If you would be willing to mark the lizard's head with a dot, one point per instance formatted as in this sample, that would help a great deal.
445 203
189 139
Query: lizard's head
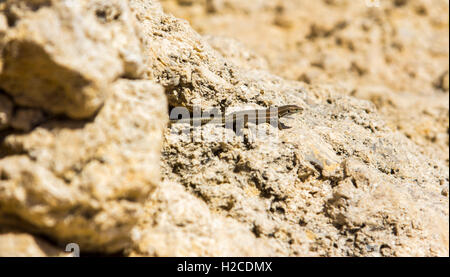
288 110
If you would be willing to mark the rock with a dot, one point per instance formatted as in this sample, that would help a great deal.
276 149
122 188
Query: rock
114 179
236 52
334 177
62 57
25 119
342 176
86 181
442 82
176 223
444 191
359 50
82 173
15 244
423 119
6 108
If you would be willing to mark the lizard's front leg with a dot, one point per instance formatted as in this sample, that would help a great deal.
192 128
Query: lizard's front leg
281 126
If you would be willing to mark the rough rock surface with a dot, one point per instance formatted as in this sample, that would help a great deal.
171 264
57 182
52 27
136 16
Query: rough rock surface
62 59
6 108
14 244
395 55
89 169
345 186
86 181
177 223
74 180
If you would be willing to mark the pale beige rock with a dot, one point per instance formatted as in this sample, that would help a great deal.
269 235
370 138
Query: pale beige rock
6 108
422 118
85 182
442 82
332 181
81 181
237 53
62 56
176 223
342 177
340 182
15 244
399 49
444 191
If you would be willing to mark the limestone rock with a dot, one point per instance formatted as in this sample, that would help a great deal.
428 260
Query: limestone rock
176 223
80 148
62 56
339 182
351 181
6 108
15 244
395 55
333 181
237 53
86 181
25 119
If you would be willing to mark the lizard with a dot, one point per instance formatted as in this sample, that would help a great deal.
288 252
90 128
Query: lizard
237 120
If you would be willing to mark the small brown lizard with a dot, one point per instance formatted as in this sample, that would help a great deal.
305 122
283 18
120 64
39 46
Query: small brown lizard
237 120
